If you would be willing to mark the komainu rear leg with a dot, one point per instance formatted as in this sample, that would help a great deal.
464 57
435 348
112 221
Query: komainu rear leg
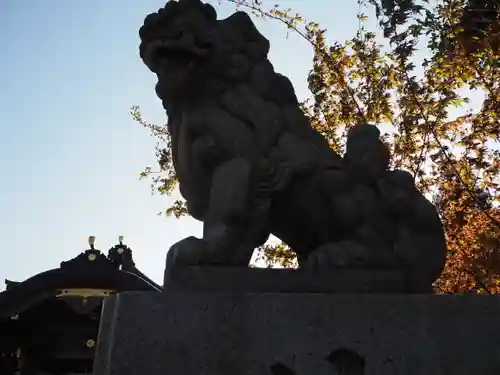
343 254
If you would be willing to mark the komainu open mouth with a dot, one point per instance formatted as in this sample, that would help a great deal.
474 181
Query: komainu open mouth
182 52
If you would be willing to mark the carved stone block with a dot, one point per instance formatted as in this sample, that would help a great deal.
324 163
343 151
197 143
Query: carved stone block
188 333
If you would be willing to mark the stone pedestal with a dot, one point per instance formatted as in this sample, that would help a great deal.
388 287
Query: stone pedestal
265 280
258 333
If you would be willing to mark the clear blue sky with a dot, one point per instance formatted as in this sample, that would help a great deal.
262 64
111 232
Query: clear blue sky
70 154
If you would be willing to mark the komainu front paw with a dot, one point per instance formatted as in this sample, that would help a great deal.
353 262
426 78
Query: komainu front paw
190 251
342 254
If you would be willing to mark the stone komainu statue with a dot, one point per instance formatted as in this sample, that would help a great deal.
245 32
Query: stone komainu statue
249 163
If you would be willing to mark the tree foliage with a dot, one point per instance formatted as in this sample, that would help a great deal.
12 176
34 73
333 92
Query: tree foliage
381 76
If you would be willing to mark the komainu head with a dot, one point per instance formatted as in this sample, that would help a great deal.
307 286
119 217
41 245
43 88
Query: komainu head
192 52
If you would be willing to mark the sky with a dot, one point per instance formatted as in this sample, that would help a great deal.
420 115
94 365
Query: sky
70 154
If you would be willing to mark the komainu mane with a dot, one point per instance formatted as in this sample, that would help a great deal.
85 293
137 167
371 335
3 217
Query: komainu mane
249 163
